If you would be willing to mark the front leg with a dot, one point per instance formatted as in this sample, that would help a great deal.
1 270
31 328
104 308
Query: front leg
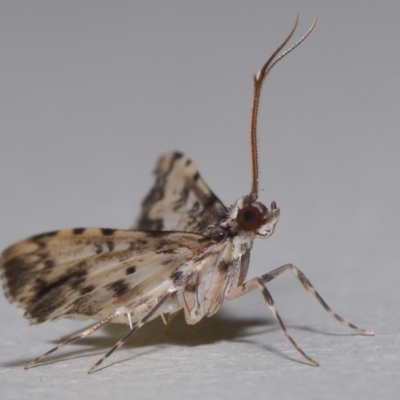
259 283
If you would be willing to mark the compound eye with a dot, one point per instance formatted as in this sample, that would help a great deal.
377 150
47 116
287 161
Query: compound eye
249 218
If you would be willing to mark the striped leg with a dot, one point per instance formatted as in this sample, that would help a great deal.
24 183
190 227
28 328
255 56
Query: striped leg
135 327
82 335
259 283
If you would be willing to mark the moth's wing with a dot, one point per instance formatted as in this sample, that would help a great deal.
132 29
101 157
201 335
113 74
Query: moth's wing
180 199
88 273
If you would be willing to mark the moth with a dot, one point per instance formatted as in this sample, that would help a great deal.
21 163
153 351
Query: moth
187 252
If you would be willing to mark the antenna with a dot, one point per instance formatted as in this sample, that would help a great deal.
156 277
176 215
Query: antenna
258 82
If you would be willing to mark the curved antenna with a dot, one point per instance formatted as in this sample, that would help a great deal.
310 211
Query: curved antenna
258 82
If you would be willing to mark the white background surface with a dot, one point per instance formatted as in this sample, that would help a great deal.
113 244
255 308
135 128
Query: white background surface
91 94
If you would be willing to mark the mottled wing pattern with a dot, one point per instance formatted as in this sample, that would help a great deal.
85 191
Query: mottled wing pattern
88 273
180 199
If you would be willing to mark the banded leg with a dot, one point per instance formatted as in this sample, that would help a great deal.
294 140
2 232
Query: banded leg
82 335
307 285
138 325
259 283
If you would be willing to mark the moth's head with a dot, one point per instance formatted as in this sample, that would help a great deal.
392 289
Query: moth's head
254 217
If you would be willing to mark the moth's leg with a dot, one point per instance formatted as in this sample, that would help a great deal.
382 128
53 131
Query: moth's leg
310 288
171 318
257 283
163 319
135 327
82 335
125 310
130 320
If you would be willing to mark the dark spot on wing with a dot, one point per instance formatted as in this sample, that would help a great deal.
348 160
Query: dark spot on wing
161 243
50 296
130 270
17 273
119 287
98 248
170 261
223 266
157 193
196 206
107 231
83 306
177 155
44 235
40 239
137 245
48 264
157 224
211 200
110 245
165 251
175 276
40 284
41 309
78 231
86 289
77 275
45 295
196 176
216 233
74 277
147 223
155 234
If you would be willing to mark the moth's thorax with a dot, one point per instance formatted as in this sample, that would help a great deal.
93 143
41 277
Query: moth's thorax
250 218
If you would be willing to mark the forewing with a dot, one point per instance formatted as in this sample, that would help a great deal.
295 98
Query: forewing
180 199
85 273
